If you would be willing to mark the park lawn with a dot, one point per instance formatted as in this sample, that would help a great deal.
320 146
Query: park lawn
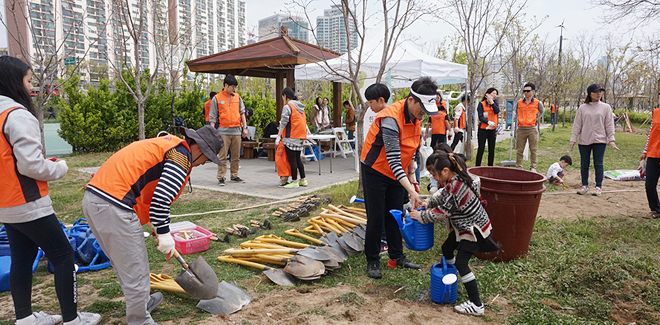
589 271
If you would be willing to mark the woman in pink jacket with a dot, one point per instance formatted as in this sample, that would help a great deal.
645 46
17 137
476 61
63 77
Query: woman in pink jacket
594 127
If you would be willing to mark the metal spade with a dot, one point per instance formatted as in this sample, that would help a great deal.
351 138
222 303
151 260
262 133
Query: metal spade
226 301
278 276
197 278
299 266
339 253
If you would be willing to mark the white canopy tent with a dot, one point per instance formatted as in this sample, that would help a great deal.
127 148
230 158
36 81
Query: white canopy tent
406 65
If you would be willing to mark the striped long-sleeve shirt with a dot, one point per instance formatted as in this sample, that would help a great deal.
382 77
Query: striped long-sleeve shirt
390 129
460 206
177 167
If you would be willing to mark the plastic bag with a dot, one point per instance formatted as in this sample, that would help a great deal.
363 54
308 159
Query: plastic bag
623 175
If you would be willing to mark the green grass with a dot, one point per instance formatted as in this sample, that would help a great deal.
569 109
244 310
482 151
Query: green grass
577 272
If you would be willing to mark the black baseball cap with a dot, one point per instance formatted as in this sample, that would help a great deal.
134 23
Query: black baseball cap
594 88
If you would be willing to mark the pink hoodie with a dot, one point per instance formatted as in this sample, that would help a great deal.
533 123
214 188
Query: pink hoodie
593 124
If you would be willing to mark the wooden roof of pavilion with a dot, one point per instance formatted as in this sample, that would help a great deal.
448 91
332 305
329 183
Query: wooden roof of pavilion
263 59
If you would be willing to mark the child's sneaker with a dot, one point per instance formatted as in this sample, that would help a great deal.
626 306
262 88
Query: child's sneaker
291 185
303 182
597 191
583 190
470 308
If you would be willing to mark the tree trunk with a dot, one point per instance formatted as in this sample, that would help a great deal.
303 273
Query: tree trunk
141 118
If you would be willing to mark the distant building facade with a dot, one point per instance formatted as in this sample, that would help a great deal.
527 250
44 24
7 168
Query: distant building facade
331 31
270 27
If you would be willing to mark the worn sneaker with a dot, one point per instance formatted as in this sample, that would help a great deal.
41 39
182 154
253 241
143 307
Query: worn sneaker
291 185
403 261
154 301
383 247
237 180
373 270
303 182
597 191
583 190
470 308
285 184
221 182
651 215
41 318
88 318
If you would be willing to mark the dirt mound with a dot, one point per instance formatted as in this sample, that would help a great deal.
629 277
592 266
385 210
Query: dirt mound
339 305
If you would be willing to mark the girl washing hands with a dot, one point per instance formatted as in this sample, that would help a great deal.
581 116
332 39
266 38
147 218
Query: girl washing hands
459 205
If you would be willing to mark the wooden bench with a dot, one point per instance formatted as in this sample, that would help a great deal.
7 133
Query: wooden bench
270 148
248 149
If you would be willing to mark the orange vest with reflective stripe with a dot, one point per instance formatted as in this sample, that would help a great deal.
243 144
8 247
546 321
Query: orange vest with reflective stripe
460 122
16 189
297 126
438 125
653 149
228 110
132 173
491 115
373 152
527 113
207 109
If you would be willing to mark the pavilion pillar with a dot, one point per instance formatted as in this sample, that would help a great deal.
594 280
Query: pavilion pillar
291 79
279 85
336 104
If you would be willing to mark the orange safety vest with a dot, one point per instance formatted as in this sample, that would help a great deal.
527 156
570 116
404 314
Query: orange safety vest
552 108
653 149
527 113
297 126
460 122
373 152
207 109
491 115
16 189
132 173
229 115
438 123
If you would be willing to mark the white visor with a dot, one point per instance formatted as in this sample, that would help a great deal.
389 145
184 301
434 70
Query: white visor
427 102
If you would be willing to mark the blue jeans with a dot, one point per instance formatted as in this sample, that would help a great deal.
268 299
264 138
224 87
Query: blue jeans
350 133
585 159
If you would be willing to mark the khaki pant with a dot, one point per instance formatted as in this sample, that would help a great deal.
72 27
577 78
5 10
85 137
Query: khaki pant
232 143
524 135
120 235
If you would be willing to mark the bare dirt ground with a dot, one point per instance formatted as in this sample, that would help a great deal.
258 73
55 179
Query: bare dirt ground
619 198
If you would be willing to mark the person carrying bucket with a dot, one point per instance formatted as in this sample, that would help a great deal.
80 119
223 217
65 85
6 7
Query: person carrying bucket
26 209
387 171
292 133
459 205
136 186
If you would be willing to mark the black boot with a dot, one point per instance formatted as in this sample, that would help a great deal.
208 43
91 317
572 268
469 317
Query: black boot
405 262
373 270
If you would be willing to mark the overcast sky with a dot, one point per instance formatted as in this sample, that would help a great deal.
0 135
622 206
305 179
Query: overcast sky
579 16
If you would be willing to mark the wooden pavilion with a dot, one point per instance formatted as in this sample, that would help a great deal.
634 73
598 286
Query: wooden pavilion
274 58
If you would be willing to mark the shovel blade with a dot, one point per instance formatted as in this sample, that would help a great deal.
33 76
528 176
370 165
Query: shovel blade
243 297
280 277
303 267
225 301
314 254
198 280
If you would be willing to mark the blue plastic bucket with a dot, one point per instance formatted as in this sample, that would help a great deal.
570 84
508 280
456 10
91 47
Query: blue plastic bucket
441 292
5 266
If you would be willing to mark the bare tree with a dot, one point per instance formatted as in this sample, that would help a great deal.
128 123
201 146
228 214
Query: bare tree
482 24
33 37
641 11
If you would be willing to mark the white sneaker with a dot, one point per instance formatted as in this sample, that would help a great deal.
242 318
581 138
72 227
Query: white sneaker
41 318
470 308
86 319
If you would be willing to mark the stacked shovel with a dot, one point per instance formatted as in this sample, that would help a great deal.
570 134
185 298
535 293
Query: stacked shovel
342 234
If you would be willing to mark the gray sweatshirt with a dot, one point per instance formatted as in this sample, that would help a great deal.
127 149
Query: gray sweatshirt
292 144
593 123
21 130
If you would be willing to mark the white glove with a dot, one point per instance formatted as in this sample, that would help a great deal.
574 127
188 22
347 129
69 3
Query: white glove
277 141
451 133
491 125
62 162
457 130
165 244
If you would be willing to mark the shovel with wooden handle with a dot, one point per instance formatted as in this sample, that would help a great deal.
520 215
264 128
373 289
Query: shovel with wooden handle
278 276
341 253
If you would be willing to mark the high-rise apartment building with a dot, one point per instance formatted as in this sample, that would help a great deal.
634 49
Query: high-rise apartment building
331 31
270 27
95 31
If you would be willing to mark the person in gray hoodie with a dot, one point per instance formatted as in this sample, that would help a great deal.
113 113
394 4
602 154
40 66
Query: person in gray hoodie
26 209
293 132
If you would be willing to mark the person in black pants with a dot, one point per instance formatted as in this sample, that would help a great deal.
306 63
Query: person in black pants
292 132
652 155
26 209
487 113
